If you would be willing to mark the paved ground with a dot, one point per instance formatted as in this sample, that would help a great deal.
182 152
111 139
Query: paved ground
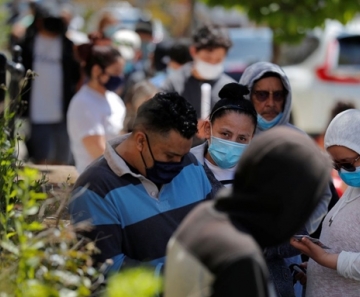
57 174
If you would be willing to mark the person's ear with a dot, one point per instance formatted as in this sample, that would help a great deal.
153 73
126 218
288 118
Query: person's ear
140 140
207 129
96 71
193 51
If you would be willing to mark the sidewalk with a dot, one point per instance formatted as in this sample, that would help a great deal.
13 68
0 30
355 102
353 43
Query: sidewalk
57 174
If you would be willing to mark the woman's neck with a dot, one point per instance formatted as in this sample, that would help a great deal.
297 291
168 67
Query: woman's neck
97 87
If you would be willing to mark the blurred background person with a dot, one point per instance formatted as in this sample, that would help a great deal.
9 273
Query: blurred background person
209 47
96 114
128 43
210 44
229 130
108 24
175 55
336 271
143 66
47 51
139 93
144 27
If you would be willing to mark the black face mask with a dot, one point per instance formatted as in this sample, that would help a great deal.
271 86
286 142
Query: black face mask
54 25
113 83
162 172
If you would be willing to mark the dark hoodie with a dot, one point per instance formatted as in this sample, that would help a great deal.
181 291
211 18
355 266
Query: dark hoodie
216 251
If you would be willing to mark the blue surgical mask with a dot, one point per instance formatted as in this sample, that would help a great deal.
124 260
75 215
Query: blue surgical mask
225 153
110 30
352 179
128 67
113 83
265 124
162 172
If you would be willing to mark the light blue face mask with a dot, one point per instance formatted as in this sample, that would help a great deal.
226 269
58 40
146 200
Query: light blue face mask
265 125
352 179
225 153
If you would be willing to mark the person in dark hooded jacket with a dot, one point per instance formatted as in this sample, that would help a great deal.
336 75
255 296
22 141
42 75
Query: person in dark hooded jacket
217 250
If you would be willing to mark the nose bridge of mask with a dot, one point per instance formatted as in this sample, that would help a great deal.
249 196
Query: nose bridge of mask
226 142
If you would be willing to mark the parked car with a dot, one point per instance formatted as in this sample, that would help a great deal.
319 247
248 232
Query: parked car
329 73
250 45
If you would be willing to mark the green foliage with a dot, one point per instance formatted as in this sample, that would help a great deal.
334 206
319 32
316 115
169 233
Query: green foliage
38 260
35 260
134 282
290 19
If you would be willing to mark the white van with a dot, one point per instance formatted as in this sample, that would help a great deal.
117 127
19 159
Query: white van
329 74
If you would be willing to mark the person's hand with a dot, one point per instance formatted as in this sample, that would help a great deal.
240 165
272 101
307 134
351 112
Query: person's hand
301 276
315 252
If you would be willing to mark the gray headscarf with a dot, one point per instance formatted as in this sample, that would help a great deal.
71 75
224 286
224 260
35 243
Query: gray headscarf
344 130
255 72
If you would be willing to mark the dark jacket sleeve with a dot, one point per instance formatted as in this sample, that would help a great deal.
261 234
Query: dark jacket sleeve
243 278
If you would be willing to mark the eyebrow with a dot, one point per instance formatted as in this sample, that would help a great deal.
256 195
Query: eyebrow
228 131
174 154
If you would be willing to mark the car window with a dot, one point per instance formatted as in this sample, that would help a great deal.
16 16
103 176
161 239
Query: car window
349 51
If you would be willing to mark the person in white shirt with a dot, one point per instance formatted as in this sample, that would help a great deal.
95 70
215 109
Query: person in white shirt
96 113
335 271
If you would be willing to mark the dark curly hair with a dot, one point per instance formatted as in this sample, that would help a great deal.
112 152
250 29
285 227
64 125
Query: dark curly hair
165 112
211 36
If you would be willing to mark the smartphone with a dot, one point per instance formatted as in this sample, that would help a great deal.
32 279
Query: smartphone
314 240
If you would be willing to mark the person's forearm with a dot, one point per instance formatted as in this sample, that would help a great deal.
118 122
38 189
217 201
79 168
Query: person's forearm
328 260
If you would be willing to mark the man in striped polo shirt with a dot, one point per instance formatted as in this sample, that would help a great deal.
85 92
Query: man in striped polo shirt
138 192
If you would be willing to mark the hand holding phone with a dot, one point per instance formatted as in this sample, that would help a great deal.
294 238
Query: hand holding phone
314 240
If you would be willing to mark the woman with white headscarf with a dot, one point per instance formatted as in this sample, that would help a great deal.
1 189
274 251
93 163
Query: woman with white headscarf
336 271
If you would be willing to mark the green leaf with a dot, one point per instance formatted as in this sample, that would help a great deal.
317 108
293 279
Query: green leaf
9 207
10 247
35 226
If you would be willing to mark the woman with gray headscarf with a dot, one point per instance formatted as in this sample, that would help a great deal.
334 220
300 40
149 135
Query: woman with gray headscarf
340 230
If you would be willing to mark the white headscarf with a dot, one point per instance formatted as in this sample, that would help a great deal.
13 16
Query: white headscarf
344 130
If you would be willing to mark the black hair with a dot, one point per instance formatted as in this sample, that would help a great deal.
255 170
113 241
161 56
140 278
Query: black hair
232 100
165 112
102 55
161 51
179 52
144 26
211 36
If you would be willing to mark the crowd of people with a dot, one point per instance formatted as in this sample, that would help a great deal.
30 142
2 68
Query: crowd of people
211 202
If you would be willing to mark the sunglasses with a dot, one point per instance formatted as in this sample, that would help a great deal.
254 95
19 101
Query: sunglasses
348 166
262 96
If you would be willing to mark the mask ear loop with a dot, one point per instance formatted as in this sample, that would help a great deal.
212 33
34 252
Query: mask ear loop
141 154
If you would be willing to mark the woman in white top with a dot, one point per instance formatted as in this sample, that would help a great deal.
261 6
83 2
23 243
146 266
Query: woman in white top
231 126
96 113
336 271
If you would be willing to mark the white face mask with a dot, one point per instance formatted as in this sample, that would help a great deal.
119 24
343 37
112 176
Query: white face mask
207 70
